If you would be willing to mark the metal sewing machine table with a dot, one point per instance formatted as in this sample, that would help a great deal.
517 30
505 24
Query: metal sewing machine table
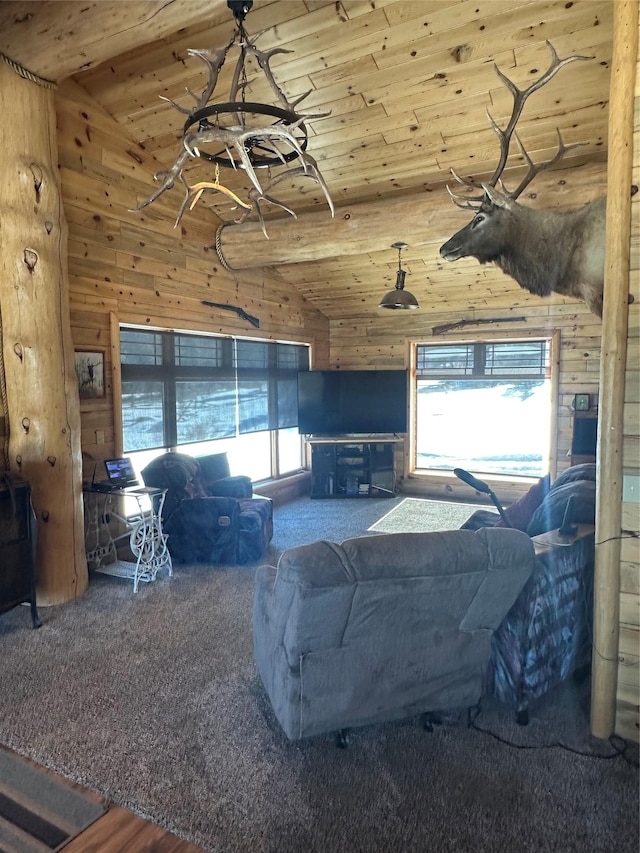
143 528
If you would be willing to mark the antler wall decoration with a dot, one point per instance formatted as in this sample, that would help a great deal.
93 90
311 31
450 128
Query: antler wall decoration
505 136
244 135
545 251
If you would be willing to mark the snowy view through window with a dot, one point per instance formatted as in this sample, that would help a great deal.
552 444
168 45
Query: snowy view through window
490 428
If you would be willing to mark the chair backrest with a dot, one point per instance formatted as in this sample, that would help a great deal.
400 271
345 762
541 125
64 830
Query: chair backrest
414 583
213 467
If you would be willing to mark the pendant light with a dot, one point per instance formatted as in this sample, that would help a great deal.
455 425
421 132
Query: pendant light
399 297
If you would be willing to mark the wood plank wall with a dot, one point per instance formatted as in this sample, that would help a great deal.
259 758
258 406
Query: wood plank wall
386 343
139 268
628 699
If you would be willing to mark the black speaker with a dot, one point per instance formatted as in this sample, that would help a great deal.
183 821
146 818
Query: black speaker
585 434
17 538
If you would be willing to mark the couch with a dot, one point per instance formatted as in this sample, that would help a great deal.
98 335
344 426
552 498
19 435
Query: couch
208 515
543 506
546 636
383 627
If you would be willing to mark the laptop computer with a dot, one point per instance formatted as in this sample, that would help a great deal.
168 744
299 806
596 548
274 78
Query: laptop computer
120 473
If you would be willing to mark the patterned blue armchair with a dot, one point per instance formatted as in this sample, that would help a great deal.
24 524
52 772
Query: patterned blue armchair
208 515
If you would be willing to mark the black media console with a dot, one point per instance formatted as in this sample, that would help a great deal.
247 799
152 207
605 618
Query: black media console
351 468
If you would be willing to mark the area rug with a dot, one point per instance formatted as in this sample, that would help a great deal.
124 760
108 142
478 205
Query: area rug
38 812
416 515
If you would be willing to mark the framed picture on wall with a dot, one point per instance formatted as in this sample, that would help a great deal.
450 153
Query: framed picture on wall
89 366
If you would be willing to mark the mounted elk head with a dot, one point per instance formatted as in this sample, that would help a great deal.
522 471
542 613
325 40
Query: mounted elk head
545 251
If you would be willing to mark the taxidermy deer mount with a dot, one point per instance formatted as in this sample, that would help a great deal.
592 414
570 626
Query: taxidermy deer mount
545 251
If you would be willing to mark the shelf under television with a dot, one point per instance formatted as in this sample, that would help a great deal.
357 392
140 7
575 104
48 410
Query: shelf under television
368 438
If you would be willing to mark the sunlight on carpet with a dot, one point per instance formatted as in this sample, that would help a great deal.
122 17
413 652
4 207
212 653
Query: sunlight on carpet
416 515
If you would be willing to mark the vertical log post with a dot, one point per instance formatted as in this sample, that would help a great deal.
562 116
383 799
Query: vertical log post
612 370
41 390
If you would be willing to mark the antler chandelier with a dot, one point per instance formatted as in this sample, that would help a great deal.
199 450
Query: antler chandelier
240 134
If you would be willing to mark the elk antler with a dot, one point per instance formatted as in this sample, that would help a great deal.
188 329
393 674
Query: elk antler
308 169
520 97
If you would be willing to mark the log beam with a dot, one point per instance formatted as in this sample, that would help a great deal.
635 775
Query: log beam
606 616
56 40
39 376
372 226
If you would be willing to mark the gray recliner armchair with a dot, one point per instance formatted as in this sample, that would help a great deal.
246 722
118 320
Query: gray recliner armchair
383 627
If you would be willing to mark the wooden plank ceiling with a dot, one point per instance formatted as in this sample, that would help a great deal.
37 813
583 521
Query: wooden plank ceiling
407 86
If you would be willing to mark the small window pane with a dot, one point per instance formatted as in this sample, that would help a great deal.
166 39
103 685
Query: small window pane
251 455
140 347
287 402
292 357
205 410
523 358
196 351
142 425
252 354
253 405
289 450
448 360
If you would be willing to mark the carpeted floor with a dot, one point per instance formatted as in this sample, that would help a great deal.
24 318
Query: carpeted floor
153 700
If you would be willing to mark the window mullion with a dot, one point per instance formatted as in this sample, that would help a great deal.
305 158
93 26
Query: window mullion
479 359
169 397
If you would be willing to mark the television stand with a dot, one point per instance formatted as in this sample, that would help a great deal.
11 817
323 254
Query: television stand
353 467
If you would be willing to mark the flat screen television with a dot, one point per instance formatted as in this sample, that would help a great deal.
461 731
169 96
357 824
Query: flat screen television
352 402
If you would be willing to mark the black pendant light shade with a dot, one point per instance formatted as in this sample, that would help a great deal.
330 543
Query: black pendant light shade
399 297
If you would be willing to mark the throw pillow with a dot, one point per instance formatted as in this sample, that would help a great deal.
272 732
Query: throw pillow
550 513
586 471
170 471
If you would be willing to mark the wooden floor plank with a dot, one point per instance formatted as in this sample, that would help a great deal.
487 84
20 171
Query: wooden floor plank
120 831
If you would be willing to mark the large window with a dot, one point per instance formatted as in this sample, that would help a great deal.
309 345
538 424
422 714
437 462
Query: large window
485 407
203 394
